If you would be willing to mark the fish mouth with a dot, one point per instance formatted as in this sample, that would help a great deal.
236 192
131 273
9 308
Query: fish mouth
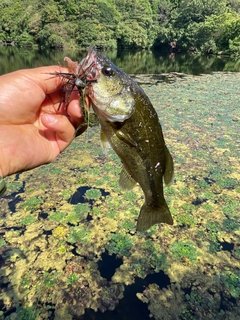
90 65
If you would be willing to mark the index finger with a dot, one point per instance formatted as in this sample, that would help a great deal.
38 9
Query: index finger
44 77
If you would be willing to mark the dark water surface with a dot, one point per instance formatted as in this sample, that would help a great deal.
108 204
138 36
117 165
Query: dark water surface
132 62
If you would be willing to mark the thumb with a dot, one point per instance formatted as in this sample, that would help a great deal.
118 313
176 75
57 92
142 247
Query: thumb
62 128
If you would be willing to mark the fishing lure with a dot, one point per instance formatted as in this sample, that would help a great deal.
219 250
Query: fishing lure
78 80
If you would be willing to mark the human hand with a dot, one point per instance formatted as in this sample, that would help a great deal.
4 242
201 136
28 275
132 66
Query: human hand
32 130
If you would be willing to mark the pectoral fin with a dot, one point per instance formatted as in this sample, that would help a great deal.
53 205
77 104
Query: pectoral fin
104 142
126 138
169 169
126 181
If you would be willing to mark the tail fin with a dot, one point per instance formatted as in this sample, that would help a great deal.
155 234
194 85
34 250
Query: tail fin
152 215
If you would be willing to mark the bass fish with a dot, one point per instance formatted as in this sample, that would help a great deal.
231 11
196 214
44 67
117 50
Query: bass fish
130 125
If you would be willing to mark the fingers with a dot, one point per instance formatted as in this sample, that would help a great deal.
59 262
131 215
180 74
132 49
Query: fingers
60 131
45 77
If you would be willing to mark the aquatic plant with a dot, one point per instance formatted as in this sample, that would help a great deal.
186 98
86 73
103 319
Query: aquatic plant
33 203
78 234
112 214
96 211
66 194
231 281
228 183
187 314
62 250
74 217
25 281
148 251
49 279
186 220
28 220
56 216
95 171
60 232
181 250
128 224
14 186
72 278
82 181
130 196
200 302
213 226
207 206
93 194
231 224
120 244
23 313
188 207
82 208
2 242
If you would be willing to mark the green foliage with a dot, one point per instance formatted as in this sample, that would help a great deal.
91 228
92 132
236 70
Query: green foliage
230 224
49 279
33 203
206 25
23 313
119 244
57 216
80 213
128 224
28 220
149 257
72 278
231 282
93 194
78 234
2 242
82 208
186 220
181 250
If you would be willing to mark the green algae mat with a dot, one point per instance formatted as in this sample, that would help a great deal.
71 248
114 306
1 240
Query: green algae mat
59 221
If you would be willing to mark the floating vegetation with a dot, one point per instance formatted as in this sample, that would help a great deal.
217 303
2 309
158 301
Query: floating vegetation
68 240
57 216
32 204
184 251
93 194
28 220
231 281
119 244
78 234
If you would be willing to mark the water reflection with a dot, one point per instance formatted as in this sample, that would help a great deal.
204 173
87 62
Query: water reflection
132 62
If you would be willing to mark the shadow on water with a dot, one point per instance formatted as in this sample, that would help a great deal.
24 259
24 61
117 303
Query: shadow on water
14 198
108 264
79 195
130 307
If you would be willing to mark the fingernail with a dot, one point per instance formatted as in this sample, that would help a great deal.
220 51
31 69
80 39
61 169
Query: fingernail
51 119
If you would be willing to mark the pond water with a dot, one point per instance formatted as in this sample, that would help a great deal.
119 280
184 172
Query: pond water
132 62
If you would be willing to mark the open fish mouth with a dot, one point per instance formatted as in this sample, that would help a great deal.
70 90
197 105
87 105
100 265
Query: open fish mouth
90 65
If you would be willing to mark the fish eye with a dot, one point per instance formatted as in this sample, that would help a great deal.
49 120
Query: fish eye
108 71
